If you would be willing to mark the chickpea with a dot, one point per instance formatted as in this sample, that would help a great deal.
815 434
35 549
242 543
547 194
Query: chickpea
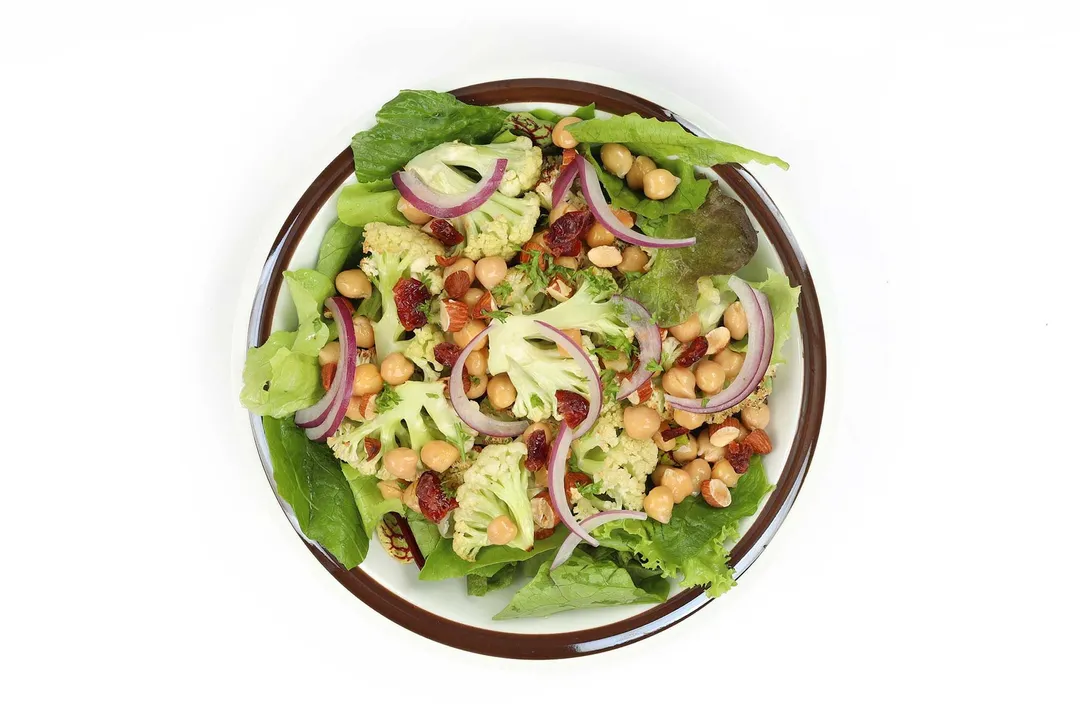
659 503
730 361
330 353
679 381
389 490
678 482
605 256
476 362
642 166
439 455
687 330
568 261
544 427
599 236
698 470
756 418
353 284
659 473
408 498
689 420
710 376
735 320
726 474
501 392
685 452
664 445
367 379
364 331
464 264
634 259
501 530
412 213
477 386
401 463
361 407
616 158
575 335
472 328
490 271
472 296
659 184
619 363
396 368
641 422
561 136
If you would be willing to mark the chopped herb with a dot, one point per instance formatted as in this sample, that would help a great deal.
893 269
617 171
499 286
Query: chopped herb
682 440
606 353
502 291
432 395
500 315
590 489
536 401
654 366
386 400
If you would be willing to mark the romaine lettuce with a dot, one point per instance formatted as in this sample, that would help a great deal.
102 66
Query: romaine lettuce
444 563
277 380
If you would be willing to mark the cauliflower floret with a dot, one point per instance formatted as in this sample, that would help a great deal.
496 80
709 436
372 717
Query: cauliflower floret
421 350
517 292
500 226
522 168
418 249
496 484
617 463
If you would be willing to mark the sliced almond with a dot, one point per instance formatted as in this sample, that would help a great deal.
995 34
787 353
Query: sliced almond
718 340
723 435
605 256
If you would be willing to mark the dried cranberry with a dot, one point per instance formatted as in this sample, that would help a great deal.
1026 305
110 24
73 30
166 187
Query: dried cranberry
447 353
573 480
433 500
538 447
693 352
372 447
456 284
445 233
673 432
572 407
738 454
564 236
409 294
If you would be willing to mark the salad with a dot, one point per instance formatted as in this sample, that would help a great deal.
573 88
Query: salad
525 352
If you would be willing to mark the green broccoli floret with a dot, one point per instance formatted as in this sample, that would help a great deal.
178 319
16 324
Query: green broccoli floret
617 463
495 484
409 415
505 222
713 298
393 253
421 350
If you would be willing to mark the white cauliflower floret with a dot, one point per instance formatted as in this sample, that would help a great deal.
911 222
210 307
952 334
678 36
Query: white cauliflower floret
617 463
421 350
499 227
496 484
418 249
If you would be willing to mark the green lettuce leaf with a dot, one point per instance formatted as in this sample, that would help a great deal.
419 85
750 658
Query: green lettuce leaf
358 205
309 479
425 532
583 581
478 584
784 300
693 544
444 563
537 124
660 139
279 381
338 244
415 121
689 194
726 241
369 501
309 290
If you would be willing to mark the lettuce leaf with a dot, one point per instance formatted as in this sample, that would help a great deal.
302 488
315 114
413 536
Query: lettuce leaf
309 290
425 532
693 544
369 501
358 205
309 479
660 139
688 195
584 581
479 584
279 381
444 563
784 300
338 244
415 121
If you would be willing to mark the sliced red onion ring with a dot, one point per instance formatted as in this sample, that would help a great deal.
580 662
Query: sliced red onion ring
560 449
322 419
444 205
589 524
469 410
562 183
648 336
592 377
594 196
756 363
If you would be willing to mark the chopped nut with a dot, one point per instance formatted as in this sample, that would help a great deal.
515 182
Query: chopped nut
605 256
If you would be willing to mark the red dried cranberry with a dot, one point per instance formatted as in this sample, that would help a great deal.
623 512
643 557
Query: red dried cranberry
673 432
409 294
432 499
738 454
572 407
447 353
445 233
538 447
564 236
693 352
372 447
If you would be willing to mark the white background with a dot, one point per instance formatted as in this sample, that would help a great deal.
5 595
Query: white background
149 156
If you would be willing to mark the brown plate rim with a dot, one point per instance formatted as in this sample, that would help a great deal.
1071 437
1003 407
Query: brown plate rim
685 603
